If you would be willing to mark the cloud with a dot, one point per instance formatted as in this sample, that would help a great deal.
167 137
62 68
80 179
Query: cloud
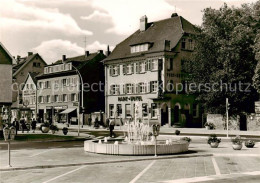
96 16
17 16
96 45
126 14
52 50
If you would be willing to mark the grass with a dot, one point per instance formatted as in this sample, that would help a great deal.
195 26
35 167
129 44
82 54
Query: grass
41 137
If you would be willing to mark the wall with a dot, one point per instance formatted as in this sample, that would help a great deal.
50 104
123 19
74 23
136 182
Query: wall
5 83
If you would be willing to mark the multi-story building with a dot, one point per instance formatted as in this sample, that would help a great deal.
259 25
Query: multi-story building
6 61
32 63
146 68
28 110
59 93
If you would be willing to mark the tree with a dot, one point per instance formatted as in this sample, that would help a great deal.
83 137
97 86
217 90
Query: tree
256 78
225 58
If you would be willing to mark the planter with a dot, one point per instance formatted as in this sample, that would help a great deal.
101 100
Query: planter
237 146
214 144
207 127
65 132
45 129
250 145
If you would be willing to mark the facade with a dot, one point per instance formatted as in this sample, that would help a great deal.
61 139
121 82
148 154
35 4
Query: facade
59 93
6 61
32 63
28 110
146 69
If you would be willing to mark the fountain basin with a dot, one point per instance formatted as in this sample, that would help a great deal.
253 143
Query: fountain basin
134 149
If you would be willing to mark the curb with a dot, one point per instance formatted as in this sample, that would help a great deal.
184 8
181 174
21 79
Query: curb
69 140
107 162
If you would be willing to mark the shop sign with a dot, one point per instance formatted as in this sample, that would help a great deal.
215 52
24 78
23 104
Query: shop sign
133 98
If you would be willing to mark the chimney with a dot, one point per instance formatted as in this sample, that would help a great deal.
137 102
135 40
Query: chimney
143 23
100 51
63 58
108 51
167 45
87 53
30 53
174 15
18 59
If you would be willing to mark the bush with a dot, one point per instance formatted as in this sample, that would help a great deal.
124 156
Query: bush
237 140
250 144
188 139
45 124
213 138
211 125
177 132
65 130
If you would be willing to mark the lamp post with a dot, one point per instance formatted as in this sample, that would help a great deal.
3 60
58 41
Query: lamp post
156 129
80 106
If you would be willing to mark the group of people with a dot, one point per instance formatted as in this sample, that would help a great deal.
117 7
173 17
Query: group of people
23 125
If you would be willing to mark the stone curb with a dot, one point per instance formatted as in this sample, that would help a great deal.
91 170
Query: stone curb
102 162
69 140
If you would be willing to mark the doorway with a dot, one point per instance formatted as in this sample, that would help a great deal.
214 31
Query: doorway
176 112
243 122
164 115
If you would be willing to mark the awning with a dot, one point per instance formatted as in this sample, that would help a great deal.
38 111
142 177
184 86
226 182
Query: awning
67 111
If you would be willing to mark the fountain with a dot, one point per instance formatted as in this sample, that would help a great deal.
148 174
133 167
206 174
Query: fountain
138 141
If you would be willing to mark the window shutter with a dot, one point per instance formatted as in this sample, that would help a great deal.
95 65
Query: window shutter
118 89
69 98
76 97
124 89
137 87
137 67
146 65
132 68
118 70
110 91
149 87
124 69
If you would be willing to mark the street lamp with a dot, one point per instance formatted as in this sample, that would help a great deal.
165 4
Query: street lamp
81 80
156 129
9 134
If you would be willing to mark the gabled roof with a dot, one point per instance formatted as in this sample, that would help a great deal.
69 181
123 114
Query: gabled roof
80 58
4 61
33 76
23 63
171 29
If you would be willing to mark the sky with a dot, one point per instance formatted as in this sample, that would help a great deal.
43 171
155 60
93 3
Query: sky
54 28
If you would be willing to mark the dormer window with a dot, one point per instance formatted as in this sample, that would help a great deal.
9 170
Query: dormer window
139 48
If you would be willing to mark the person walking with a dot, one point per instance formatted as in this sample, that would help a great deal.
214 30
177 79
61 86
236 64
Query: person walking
16 125
22 123
33 124
111 128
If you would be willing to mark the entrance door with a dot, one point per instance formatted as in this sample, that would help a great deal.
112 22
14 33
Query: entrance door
243 122
164 115
176 114
41 115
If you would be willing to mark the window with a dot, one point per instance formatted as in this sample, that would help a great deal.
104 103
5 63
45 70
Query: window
34 64
56 98
114 70
56 84
65 98
145 110
148 65
195 111
41 85
64 82
47 84
142 67
154 65
170 64
154 86
129 68
114 89
49 69
111 110
183 43
191 45
119 110
154 110
40 99
142 88
139 48
73 81
73 97
46 70
38 64
129 88
48 99
127 110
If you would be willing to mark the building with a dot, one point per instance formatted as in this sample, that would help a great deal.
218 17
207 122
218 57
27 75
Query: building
146 68
31 63
28 110
6 61
59 93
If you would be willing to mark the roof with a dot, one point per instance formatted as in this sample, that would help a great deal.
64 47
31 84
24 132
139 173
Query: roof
171 29
5 53
33 76
81 58
24 62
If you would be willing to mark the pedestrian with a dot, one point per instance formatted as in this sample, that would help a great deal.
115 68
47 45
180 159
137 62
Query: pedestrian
22 123
16 125
33 124
111 128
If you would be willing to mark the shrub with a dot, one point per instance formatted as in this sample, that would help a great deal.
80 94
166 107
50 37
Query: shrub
213 138
54 127
250 143
177 132
237 140
188 139
211 125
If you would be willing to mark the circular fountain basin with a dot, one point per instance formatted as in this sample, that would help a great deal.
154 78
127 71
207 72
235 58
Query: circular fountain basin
134 149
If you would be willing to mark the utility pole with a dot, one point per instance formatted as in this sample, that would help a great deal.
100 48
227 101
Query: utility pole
227 108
